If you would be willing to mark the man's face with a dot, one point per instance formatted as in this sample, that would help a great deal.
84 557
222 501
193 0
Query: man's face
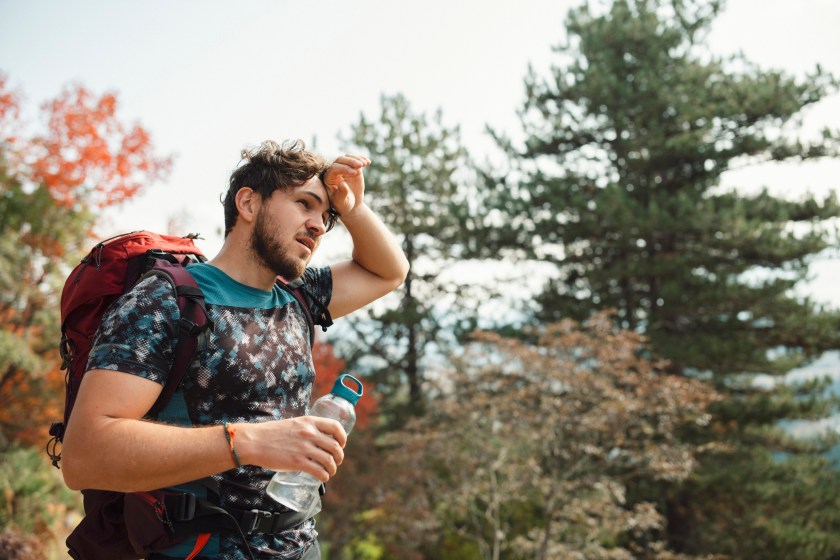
288 228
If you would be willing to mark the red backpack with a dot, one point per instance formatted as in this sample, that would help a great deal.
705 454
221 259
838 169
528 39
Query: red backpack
109 270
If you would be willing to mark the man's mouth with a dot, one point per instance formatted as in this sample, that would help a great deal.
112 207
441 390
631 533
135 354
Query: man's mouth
307 242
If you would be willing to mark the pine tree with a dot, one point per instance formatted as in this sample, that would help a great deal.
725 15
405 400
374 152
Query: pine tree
626 144
618 184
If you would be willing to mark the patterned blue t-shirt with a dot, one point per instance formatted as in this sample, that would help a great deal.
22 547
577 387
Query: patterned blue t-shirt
257 366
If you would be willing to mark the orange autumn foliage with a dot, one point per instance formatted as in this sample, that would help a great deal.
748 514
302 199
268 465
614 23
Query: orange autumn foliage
51 184
9 112
25 414
8 100
88 153
327 369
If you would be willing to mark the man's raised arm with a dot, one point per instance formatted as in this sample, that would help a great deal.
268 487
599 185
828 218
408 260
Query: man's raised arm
378 265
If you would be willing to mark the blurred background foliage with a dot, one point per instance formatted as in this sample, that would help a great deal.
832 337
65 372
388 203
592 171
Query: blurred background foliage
615 413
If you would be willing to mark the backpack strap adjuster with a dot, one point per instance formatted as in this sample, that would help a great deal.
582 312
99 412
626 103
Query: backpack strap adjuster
190 327
266 522
251 520
65 350
181 506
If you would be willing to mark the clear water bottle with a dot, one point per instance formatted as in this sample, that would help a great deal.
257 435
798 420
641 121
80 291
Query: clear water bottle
297 490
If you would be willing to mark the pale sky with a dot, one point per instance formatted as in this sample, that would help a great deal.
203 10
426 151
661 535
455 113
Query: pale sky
208 78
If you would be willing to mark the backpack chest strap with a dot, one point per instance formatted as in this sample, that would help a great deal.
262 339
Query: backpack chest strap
188 515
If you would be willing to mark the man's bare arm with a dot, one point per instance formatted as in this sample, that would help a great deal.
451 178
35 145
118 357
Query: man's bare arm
109 446
379 264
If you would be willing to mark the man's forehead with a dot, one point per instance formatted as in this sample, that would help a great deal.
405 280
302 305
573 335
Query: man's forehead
314 187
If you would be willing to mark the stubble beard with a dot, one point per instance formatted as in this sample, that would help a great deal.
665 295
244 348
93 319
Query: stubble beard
269 251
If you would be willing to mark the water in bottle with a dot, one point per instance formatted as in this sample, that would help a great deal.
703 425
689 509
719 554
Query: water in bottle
297 490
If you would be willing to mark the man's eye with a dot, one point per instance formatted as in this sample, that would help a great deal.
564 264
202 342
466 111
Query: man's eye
304 203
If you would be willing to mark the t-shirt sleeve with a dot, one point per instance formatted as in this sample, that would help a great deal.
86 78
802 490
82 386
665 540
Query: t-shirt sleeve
138 332
318 292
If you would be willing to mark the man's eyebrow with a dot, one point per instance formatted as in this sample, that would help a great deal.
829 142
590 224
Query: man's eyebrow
314 195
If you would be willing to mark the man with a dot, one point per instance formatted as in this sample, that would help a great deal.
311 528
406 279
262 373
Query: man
245 402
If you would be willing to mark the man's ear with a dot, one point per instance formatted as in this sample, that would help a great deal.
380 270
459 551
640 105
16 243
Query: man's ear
247 204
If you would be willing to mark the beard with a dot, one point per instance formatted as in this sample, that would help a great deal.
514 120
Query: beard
269 251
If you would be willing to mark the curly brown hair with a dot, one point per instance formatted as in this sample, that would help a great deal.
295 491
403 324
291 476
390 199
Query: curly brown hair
269 167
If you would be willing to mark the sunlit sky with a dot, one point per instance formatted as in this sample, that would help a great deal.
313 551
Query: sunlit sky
208 78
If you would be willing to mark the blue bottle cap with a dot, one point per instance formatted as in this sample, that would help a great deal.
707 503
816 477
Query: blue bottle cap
341 390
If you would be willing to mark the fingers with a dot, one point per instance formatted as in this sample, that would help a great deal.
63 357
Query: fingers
352 160
348 165
310 444
342 170
323 447
331 428
320 464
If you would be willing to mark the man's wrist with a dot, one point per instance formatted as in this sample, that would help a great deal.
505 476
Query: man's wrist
243 440
230 437
348 218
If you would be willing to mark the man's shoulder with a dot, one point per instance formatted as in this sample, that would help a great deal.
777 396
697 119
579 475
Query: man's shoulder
137 333
313 275
150 294
319 282
152 285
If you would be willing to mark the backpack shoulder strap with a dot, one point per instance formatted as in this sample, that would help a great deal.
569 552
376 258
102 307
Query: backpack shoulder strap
193 325
316 313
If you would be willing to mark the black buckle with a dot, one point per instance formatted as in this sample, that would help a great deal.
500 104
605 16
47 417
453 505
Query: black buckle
154 254
181 507
190 327
251 520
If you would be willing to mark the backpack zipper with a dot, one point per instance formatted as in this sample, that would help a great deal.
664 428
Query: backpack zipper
159 508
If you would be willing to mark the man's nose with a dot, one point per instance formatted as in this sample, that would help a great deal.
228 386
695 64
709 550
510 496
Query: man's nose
316 226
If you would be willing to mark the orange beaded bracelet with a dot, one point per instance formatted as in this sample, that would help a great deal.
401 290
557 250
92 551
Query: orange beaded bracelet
230 433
